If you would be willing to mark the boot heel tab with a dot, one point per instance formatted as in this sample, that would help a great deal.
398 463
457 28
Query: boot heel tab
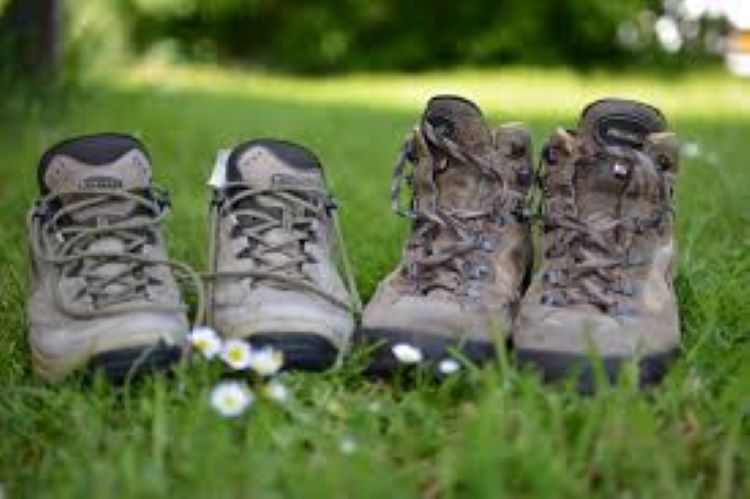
514 139
563 140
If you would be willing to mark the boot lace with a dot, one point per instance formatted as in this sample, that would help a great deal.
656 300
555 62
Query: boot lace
298 213
112 281
583 264
457 265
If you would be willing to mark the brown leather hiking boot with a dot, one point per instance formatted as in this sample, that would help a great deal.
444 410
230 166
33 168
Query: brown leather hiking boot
278 271
604 287
464 265
102 291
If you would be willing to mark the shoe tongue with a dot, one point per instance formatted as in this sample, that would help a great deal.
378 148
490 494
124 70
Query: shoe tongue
459 120
96 163
613 122
620 122
269 163
274 164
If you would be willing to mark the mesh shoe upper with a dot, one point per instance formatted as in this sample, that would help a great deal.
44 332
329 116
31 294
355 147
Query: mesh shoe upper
98 255
276 247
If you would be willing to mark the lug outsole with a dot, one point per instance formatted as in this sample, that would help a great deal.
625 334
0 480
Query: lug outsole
434 348
556 366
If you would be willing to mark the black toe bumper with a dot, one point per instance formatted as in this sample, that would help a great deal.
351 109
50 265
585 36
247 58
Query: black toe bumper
555 366
304 351
434 348
132 363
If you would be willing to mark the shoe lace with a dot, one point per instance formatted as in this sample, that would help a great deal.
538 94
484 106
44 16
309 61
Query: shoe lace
298 213
583 265
113 281
456 265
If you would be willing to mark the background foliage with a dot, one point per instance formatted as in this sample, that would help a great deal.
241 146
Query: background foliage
324 36
314 35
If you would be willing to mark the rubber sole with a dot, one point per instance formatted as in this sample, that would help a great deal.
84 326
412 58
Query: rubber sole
433 348
302 351
133 363
556 366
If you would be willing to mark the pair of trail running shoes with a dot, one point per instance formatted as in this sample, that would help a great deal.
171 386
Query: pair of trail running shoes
105 294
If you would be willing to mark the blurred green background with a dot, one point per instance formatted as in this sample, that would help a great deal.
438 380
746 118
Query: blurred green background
324 36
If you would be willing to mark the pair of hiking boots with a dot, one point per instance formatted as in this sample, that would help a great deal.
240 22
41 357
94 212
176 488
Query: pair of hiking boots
603 288
104 293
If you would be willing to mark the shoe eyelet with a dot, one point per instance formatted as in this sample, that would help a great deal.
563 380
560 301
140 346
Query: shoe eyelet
550 155
517 150
524 178
553 277
664 162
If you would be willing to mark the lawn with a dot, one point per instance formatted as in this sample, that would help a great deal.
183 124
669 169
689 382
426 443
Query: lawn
490 433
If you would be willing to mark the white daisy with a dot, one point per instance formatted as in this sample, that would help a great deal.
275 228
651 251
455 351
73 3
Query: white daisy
691 149
231 398
348 445
206 341
275 390
407 354
449 366
265 361
236 354
374 407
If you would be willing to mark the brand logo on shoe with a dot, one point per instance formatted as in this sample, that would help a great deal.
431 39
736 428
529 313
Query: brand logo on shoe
621 131
98 182
283 181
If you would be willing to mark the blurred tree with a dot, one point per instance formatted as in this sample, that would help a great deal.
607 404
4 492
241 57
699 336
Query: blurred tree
331 35
317 36
32 37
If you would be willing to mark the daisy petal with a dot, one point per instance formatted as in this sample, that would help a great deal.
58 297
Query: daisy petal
206 341
348 445
266 361
449 366
407 354
236 354
275 390
231 398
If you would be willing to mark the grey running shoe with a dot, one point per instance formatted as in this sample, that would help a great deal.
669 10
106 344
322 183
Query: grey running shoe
468 257
102 292
278 273
604 287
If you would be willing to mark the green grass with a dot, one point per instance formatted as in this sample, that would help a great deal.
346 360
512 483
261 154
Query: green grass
493 433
